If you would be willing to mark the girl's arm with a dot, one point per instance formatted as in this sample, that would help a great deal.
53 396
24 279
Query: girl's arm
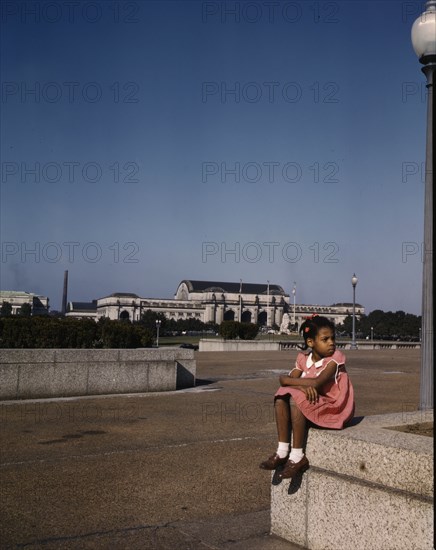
313 383
294 373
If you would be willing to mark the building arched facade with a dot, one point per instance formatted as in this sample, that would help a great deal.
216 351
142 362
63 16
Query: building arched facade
227 301
215 302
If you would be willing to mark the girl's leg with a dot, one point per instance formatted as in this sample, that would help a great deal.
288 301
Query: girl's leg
283 422
283 418
298 427
297 462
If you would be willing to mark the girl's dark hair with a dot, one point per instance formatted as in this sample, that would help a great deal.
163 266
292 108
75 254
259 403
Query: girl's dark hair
311 326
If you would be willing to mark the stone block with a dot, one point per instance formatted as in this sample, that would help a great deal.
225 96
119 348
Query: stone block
367 487
331 512
170 353
141 354
216 344
51 380
23 356
86 355
9 381
162 376
370 451
124 377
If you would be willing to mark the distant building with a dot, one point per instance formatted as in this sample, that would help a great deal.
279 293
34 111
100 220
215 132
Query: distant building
227 301
215 302
39 304
337 313
82 310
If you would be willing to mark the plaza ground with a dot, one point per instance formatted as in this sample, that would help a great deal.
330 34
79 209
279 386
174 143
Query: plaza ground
176 470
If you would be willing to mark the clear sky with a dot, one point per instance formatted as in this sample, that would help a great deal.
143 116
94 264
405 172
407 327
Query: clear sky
147 142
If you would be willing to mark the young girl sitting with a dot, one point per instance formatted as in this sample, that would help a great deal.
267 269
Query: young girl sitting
317 389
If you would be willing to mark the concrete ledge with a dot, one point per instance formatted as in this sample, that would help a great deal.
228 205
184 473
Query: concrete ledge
213 344
367 487
39 373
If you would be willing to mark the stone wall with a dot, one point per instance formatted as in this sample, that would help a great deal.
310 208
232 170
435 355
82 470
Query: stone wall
219 344
42 373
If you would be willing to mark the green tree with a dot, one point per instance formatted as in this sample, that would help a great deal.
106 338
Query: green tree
149 318
6 309
25 310
384 324
248 331
346 327
229 330
48 332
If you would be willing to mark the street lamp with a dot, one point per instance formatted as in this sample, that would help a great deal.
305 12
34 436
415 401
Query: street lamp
353 340
294 291
424 44
157 332
267 305
372 334
240 300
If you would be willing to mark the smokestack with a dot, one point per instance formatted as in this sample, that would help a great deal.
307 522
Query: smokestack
64 293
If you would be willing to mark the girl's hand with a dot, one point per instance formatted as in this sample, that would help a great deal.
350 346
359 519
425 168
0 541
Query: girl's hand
311 394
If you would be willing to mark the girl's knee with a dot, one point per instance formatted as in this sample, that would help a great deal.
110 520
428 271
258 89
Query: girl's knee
281 400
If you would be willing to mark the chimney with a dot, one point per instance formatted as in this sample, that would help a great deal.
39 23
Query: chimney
64 293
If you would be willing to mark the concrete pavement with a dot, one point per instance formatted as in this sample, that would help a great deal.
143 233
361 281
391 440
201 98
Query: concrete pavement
175 470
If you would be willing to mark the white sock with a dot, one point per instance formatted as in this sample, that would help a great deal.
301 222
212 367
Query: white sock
296 455
283 449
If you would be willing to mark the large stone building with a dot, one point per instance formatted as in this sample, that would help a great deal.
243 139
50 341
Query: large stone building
212 301
39 305
245 302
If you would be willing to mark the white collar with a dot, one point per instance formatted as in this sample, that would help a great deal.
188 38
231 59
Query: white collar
310 362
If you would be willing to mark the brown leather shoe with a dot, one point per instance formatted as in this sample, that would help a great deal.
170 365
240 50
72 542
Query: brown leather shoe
291 468
272 462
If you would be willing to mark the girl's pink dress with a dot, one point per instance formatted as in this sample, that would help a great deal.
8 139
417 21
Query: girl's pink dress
335 405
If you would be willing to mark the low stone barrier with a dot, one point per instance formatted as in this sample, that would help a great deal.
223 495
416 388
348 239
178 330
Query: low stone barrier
39 373
219 344
365 344
367 487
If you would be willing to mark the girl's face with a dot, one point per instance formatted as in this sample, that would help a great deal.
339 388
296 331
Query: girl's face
323 345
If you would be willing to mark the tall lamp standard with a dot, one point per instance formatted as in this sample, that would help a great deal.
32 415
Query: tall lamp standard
294 291
424 44
353 340
157 332
267 305
240 300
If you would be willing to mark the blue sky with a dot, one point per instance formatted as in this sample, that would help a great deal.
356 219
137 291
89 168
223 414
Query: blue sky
143 143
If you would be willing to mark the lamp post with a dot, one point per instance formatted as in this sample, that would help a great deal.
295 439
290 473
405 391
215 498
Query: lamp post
372 334
158 322
353 340
424 44
267 305
294 291
240 300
